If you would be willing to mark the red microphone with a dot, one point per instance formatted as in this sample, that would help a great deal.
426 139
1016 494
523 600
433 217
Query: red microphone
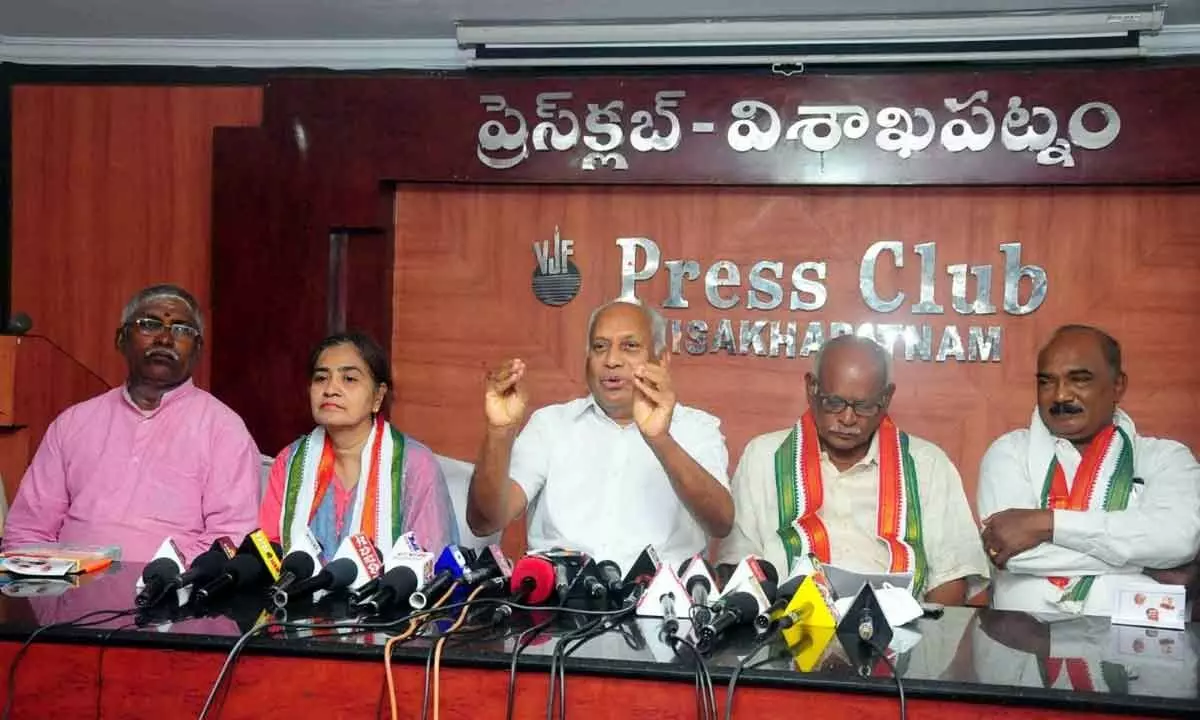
532 580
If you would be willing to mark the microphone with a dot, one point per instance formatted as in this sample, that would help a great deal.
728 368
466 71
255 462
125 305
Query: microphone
297 566
864 631
337 575
491 563
355 563
670 624
301 563
532 580
449 567
783 597
256 563
610 577
394 585
737 608
402 553
159 576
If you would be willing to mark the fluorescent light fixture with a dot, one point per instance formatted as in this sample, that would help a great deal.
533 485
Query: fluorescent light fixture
950 28
800 60
1079 34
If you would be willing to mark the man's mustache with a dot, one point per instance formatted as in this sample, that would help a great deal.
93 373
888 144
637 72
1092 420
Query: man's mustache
162 352
1065 408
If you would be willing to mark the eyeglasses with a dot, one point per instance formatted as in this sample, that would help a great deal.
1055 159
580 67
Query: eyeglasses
153 326
834 405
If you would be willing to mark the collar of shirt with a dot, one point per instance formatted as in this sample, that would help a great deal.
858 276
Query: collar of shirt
169 397
589 404
869 460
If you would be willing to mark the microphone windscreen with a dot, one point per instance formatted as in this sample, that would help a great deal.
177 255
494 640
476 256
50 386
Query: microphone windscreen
696 581
246 569
161 568
789 587
400 579
534 575
769 589
743 604
769 570
343 572
300 564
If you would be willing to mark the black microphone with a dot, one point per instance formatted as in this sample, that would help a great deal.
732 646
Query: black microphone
435 588
159 576
338 574
610 577
208 565
297 566
735 609
244 571
783 596
394 585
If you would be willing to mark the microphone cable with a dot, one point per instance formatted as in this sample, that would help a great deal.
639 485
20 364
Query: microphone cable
523 641
706 701
437 655
558 662
104 640
896 676
562 651
81 621
411 630
737 671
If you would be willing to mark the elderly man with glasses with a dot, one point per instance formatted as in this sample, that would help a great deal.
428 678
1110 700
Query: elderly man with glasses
153 458
845 486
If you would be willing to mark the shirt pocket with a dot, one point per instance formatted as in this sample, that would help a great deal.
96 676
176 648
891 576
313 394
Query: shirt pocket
174 495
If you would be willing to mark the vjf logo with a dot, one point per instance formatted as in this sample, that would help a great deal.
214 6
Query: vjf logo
556 280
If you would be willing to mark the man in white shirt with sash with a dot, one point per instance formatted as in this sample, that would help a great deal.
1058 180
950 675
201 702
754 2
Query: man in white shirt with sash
848 487
1079 502
608 474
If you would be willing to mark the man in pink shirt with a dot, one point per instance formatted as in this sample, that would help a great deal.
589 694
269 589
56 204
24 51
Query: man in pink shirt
153 458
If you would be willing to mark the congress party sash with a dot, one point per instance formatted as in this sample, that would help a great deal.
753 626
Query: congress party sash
800 491
378 512
1103 481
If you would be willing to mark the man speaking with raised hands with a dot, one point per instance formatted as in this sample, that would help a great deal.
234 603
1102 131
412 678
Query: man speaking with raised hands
608 474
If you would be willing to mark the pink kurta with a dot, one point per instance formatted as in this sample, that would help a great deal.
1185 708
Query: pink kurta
109 473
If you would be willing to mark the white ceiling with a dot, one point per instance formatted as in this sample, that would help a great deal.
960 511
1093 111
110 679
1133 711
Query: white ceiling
413 19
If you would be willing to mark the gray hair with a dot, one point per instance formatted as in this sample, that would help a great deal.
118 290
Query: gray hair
163 292
658 324
881 354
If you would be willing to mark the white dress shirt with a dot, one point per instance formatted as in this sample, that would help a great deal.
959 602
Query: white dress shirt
595 486
1159 529
850 512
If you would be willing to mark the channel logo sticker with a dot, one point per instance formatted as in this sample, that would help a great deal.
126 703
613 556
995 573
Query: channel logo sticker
556 280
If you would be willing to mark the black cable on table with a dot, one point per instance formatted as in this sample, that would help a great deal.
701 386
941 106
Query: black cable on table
899 684
80 621
104 639
519 647
558 659
737 671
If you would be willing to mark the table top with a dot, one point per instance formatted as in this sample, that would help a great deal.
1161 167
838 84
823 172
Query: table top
968 654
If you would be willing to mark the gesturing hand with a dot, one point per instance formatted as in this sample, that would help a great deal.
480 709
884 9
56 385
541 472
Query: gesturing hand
507 397
653 400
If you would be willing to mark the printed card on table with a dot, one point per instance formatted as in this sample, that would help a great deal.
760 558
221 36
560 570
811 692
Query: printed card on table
1150 605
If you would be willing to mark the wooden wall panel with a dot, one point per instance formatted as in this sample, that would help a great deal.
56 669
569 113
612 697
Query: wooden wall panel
1125 259
112 189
